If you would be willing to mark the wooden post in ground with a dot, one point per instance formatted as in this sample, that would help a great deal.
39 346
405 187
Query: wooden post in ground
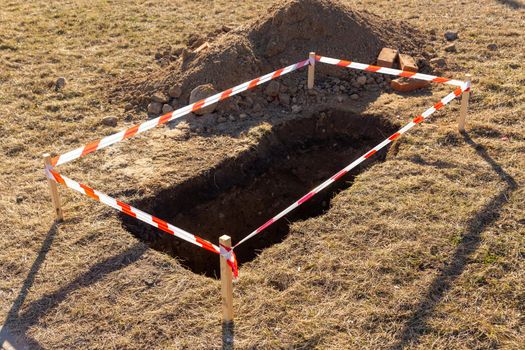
54 190
311 70
226 283
464 105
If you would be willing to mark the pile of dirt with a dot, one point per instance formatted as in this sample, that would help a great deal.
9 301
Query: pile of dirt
284 36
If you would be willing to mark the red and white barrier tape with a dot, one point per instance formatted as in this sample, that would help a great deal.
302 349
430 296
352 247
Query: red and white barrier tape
334 178
390 71
222 250
145 217
137 129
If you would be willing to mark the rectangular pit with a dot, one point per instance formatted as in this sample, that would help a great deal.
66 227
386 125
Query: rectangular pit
244 191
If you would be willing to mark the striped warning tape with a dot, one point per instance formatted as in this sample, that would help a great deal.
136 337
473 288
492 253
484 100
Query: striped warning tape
145 217
390 71
137 129
457 92
222 250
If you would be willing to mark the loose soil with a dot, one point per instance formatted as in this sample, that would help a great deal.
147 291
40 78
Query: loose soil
283 36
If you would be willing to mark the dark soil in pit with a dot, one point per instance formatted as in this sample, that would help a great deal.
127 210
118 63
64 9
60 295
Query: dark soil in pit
244 191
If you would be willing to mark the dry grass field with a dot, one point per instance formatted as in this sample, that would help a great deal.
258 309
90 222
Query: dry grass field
425 250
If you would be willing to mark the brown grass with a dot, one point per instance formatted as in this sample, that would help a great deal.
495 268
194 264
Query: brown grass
425 250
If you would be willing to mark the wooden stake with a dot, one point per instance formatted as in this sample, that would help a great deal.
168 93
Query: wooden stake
54 190
464 106
311 71
226 283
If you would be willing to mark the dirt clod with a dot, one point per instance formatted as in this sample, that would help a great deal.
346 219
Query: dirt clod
159 97
272 89
438 61
60 83
175 91
166 108
451 35
110 121
155 107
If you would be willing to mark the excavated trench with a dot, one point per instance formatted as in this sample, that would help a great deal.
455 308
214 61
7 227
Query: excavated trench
244 191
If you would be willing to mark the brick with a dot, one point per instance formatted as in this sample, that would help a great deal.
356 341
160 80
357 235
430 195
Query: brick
407 62
387 58
407 85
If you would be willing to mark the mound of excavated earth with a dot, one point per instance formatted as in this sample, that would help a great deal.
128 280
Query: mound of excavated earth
284 36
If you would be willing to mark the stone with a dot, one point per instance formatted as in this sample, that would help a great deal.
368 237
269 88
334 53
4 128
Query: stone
155 108
166 108
175 91
60 83
159 97
438 61
243 116
200 93
257 108
370 81
340 98
296 109
354 97
284 99
221 120
248 101
128 107
492 47
450 48
361 80
451 35
272 89
110 121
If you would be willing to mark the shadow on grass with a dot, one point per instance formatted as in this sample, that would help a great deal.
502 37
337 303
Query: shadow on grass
12 315
20 323
417 323
514 4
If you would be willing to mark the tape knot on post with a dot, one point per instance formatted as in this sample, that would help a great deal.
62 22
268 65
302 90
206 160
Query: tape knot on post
311 60
231 259
48 169
466 87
